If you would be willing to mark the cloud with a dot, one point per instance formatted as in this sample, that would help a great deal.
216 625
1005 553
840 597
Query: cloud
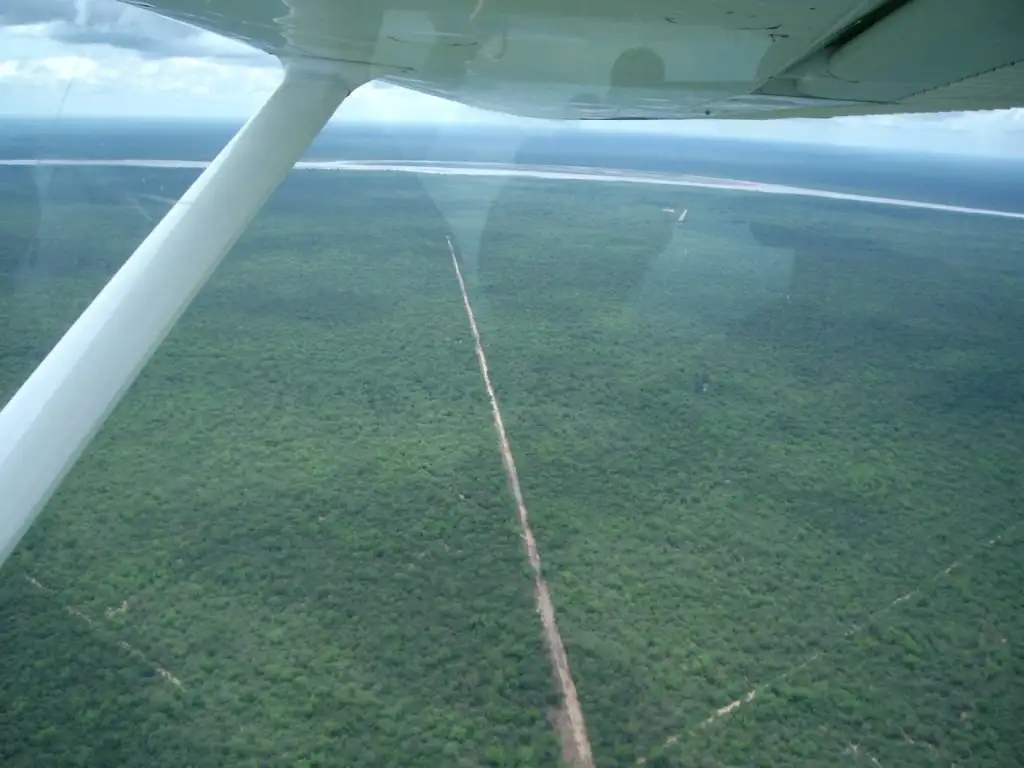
187 77
991 132
63 68
387 103
22 12
110 23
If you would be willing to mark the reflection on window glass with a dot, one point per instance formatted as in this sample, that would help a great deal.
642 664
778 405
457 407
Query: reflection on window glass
763 443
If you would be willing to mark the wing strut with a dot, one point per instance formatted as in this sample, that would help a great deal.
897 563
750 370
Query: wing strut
49 421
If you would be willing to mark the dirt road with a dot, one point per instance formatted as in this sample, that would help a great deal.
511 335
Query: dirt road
571 726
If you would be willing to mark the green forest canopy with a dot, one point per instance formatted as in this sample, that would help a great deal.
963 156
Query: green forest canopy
751 444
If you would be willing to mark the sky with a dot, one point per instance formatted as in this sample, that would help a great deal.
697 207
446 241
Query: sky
101 58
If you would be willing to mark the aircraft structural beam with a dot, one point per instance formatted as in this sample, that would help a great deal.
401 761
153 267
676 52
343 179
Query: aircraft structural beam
53 416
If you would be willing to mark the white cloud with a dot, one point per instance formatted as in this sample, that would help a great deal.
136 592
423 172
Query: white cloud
44 72
388 103
992 133
55 78
108 23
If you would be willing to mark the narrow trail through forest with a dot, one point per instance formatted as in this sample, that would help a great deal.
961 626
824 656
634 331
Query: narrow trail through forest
832 643
572 729
110 613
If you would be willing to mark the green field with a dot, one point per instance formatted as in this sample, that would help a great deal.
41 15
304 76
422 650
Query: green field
752 445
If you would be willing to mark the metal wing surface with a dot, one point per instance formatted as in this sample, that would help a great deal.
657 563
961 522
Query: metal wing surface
650 59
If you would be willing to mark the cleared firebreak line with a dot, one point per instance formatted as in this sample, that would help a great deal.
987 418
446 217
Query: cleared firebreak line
831 644
579 746
122 644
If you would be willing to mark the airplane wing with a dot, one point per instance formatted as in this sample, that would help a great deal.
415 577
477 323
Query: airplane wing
651 59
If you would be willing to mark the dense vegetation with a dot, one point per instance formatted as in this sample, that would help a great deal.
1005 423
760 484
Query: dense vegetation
741 445
752 444
301 505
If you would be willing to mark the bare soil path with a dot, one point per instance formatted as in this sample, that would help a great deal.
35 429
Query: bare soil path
571 726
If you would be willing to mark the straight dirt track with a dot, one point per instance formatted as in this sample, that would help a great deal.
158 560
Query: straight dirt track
572 730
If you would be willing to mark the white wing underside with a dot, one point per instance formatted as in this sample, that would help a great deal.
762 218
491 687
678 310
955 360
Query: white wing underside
650 59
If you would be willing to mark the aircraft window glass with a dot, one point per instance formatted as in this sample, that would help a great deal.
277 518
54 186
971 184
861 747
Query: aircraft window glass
490 444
